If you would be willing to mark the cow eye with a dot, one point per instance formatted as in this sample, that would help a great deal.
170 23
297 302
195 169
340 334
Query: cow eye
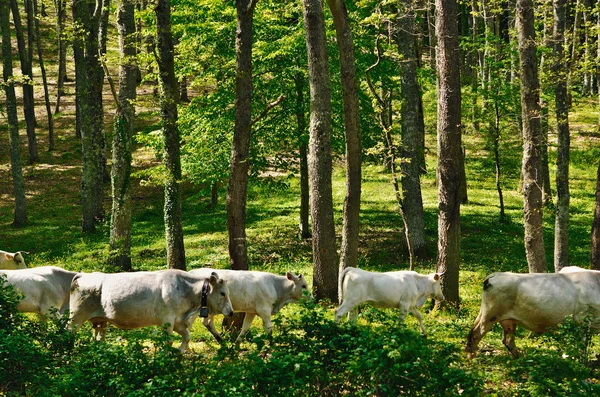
304 287
222 293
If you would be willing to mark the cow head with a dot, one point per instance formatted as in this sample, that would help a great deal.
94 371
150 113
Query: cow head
218 297
300 285
14 261
436 286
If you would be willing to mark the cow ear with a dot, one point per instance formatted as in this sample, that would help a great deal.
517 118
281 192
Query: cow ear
214 278
300 277
8 256
436 277
290 276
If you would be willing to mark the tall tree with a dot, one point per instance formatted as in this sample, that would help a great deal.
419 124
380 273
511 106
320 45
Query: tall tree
172 145
44 79
319 156
89 84
595 252
532 138
20 217
120 227
299 81
26 69
449 148
350 229
561 226
411 143
61 19
240 164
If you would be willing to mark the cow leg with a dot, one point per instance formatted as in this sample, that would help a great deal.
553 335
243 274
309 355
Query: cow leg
99 330
508 338
481 327
344 308
403 310
248 318
183 330
209 323
265 316
419 318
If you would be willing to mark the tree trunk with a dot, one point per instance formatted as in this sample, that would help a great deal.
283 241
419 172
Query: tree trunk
61 19
20 215
90 79
532 139
238 180
120 228
172 144
409 151
561 226
544 125
350 229
497 132
449 149
44 79
431 32
595 252
319 156
28 104
303 149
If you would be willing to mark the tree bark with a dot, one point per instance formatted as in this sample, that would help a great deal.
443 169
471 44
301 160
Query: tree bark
532 138
120 228
28 103
595 252
90 79
449 148
303 154
20 214
171 137
44 79
544 122
240 163
61 19
561 226
350 229
319 156
409 151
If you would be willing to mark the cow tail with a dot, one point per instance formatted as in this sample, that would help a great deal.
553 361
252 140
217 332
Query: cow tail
341 284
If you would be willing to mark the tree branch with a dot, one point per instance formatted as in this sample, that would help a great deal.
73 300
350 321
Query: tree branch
369 82
267 109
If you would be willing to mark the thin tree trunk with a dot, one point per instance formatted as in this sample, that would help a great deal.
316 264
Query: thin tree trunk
303 153
319 156
561 226
449 149
350 229
475 67
28 105
598 59
214 194
497 158
431 32
409 151
532 139
172 152
61 19
120 228
238 180
20 214
595 251
44 79
546 43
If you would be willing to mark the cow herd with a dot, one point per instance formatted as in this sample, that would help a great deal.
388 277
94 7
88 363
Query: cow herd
176 298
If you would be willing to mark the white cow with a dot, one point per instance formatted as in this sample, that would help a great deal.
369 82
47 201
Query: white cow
536 301
257 293
140 299
43 288
406 290
12 260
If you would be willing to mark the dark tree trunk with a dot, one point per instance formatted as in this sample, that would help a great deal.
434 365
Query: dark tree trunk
28 104
497 132
172 151
303 149
319 156
350 229
595 254
214 194
411 181
90 79
449 148
120 228
561 226
544 122
61 19
20 215
532 138
238 182
44 79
